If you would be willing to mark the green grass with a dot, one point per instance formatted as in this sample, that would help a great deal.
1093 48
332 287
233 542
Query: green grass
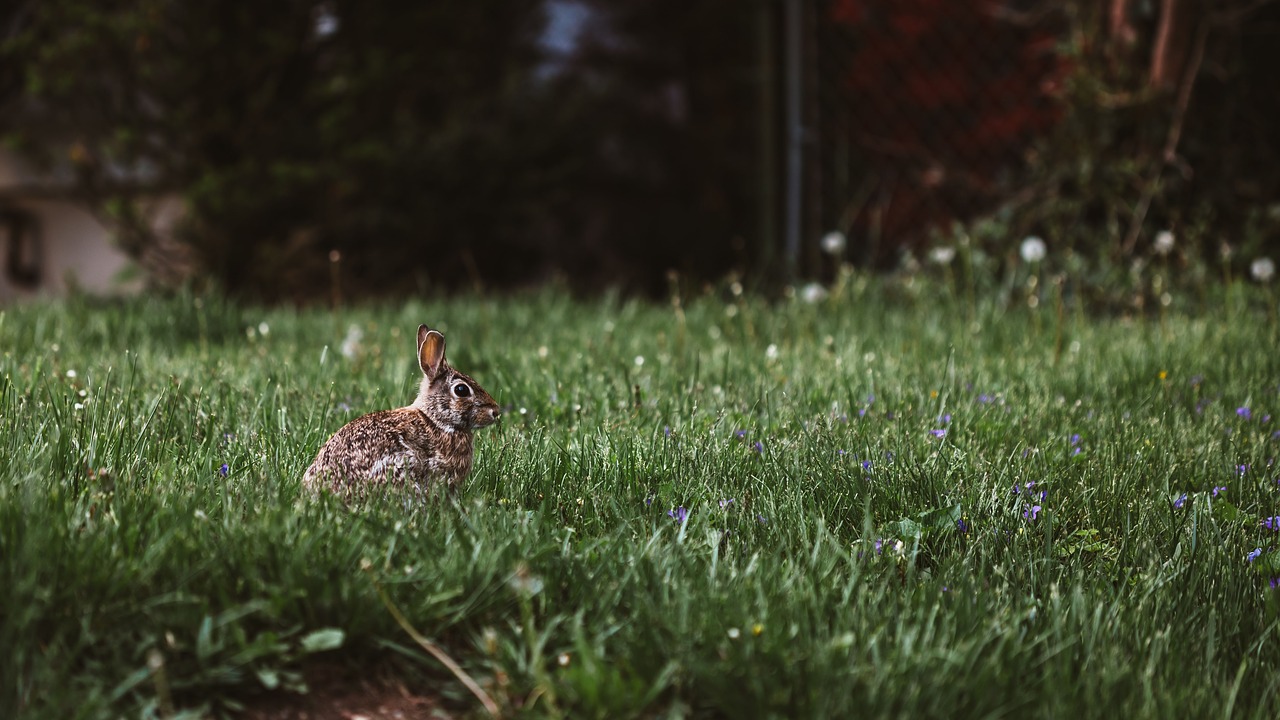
137 579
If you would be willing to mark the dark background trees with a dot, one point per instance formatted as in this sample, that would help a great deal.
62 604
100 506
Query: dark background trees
408 146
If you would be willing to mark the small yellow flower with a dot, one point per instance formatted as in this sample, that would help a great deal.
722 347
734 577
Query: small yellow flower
1164 374
757 629
933 393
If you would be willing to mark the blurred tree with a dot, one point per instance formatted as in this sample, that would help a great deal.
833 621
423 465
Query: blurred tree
390 132
428 144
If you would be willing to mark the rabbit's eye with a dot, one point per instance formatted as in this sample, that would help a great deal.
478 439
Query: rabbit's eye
462 390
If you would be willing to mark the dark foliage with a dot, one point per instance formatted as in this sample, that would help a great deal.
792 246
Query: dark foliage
435 146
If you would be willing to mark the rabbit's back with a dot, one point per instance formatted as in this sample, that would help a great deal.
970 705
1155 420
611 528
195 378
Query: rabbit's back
397 446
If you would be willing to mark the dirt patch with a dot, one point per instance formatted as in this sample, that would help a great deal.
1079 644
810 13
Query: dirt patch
343 693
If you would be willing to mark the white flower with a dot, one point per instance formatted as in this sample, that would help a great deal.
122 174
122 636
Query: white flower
263 328
351 343
834 242
639 360
1262 269
524 582
71 373
1033 249
813 293
942 255
734 633
324 22
1164 242
771 352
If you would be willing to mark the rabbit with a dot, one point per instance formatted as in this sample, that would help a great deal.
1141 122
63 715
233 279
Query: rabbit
425 442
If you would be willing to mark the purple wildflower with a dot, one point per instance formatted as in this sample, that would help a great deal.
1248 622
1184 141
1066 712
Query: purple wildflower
1272 523
1016 489
761 519
945 418
1075 439
879 546
843 418
1275 582
1182 500
1030 484
758 446
648 502
1244 412
1255 554
666 430
1076 451
984 398
840 452
1242 469
866 464
1219 488
939 433
679 514
740 433
962 526
1031 512
726 503
224 470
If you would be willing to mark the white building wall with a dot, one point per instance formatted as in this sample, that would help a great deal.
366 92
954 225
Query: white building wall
72 248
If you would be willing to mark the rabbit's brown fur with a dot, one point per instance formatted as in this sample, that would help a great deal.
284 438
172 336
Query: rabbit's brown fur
427 441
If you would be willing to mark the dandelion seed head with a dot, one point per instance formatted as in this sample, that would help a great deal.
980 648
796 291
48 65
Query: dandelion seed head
813 293
834 242
942 255
1262 269
1033 249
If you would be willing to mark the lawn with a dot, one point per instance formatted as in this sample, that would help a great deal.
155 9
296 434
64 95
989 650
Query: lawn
894 501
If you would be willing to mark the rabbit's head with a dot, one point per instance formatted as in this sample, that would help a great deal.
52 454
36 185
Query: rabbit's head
449 398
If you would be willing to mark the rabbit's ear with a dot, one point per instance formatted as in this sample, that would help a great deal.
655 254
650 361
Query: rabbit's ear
430 351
